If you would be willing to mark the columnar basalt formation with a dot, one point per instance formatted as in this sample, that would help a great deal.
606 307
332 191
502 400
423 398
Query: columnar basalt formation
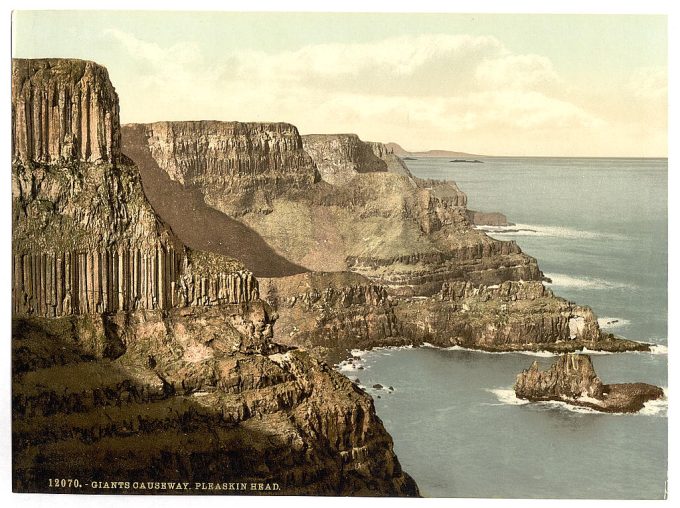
63 110
138 358
240 167
572 379
412 237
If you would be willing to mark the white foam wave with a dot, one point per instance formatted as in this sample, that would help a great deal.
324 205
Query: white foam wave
348 366
607 323
359 352
507 396
567 281
571 407
658 407
545 231
587 351
544 354
658 349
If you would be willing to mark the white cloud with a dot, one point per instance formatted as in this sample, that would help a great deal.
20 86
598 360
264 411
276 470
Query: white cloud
419 90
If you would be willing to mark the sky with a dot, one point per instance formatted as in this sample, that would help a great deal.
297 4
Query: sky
492 84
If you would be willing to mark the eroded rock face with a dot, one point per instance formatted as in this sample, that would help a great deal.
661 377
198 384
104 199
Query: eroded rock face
410 237
137 358
513 315
340 157
240 167
197 395
407 234
63 110
571 376
572 379
332 313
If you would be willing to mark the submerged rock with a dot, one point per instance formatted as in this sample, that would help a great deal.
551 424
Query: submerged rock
572 379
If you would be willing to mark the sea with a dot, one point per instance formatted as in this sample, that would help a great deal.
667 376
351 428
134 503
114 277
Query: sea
598 228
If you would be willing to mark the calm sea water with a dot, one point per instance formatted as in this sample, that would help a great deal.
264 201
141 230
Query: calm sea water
598 228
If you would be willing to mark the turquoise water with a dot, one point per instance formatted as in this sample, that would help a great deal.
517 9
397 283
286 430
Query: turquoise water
598 228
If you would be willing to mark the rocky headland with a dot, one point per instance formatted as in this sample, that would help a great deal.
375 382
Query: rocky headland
572 379
138 358
381 257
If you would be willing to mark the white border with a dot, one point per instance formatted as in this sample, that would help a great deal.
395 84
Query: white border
479 6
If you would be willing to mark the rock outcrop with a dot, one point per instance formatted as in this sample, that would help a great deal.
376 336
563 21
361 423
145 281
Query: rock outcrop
332 313
511 316
139 359
572 379
340 157
63 110
487 218
240 167
194 395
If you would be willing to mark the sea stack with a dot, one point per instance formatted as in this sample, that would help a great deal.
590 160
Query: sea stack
572 379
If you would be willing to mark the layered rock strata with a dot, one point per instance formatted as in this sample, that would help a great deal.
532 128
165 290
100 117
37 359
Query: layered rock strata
572 379
332 313
405 233
240 167
139 359
410 237
511 316
194 395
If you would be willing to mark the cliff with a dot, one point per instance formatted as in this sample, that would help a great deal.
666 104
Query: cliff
340 157
137 358
572 379
240 167
63 110
511 316
409 238
407 234
331 313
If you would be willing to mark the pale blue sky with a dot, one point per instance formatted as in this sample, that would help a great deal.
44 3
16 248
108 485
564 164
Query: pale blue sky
496 84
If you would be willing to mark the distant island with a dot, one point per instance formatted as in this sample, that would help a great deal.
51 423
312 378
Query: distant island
401 152
475 161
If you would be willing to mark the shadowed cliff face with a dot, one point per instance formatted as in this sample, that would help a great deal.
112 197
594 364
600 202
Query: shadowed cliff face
198 225
137 357
408 234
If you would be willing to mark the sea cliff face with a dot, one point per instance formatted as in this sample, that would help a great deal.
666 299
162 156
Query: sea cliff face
240 167
138 358
412 240
408 234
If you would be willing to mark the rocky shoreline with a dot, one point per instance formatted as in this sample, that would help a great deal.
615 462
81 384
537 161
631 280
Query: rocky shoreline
137 326
138 358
